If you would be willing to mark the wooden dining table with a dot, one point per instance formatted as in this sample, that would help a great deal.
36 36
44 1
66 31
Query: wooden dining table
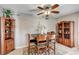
33 39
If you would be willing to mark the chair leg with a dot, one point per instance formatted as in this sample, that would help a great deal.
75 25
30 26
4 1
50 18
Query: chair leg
24 51
46 51
54 48
29 50
37 50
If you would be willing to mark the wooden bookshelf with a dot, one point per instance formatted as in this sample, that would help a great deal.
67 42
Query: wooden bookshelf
7 34
0 36
65 31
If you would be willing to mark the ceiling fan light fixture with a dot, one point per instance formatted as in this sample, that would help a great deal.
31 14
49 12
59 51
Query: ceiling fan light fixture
47 12
48 9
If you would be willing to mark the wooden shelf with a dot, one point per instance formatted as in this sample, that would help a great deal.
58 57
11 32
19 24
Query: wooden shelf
66 27
7 25
65 31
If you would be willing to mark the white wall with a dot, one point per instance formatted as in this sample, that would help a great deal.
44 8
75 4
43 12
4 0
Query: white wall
28 24
17 31
78 29
72 17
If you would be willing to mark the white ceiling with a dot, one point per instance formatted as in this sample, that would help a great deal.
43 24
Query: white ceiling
29 9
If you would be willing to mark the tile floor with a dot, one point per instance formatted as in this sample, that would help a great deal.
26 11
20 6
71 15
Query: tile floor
60 50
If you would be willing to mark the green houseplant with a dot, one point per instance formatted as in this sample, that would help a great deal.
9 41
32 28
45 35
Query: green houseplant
7 13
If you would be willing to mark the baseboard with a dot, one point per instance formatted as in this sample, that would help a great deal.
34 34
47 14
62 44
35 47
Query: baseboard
19 47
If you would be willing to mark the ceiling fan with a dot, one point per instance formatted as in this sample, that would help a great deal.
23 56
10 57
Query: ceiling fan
48 9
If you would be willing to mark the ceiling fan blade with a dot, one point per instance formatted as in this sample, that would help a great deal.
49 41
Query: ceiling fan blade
54 6
40 8
54 11
40 13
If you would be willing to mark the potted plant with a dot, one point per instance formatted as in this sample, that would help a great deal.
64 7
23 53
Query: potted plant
7 13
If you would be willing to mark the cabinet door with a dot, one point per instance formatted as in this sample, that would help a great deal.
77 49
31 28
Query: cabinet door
0 46
9 45
12 44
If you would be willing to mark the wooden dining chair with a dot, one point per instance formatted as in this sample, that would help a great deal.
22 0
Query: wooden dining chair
31 44
41 44
51 37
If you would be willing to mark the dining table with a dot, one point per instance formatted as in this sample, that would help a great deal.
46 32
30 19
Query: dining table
33 39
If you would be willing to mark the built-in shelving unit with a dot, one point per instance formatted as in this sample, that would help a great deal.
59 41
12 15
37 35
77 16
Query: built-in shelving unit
7 34
65 31
0 36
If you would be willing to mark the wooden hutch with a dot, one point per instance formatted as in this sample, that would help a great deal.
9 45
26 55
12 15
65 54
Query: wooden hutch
65 32
6 34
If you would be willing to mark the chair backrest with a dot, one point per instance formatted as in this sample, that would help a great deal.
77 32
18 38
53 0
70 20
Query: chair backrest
51 35
41 38
29 37
48 33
